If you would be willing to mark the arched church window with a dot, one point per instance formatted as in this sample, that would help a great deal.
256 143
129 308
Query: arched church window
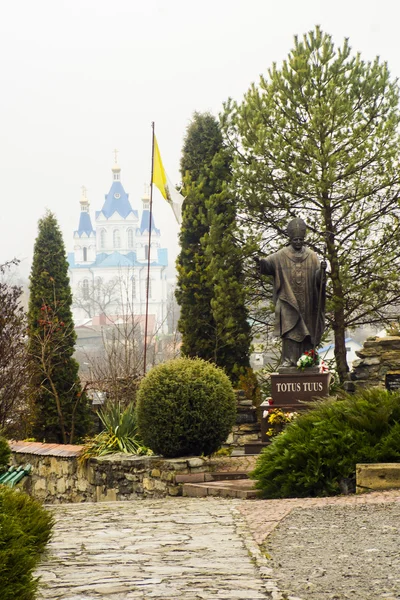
116 239
133 287
146 252
84 254
102 239
130 238
85 289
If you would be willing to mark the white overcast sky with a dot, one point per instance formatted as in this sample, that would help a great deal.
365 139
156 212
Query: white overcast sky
82 77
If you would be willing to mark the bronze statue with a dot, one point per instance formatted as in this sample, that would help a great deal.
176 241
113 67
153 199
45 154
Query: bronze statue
299 295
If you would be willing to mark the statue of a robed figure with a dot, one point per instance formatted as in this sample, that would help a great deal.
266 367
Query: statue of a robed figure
299 295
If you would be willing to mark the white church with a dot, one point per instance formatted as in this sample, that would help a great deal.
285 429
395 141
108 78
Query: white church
108 266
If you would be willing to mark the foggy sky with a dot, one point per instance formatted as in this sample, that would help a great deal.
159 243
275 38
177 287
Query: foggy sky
82 77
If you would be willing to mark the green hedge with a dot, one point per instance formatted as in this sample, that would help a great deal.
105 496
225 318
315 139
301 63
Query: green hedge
25 528
185 407
317 454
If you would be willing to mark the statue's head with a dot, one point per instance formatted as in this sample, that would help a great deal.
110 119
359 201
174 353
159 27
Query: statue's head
296 231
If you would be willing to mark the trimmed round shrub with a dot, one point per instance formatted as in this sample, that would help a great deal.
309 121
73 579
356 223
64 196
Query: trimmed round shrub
25 529
5 453
185 407
317 454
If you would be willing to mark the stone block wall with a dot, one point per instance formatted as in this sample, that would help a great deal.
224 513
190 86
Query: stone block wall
247 429
57 476
377 358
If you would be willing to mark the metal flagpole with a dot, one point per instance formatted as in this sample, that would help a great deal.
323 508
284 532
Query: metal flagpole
148 253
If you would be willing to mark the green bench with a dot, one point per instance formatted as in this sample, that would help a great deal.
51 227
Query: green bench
14 475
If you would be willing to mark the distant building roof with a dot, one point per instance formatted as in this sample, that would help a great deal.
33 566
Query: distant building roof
117 200
330 346
145 222
85 224
116 259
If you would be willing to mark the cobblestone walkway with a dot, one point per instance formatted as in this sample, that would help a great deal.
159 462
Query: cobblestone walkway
186 548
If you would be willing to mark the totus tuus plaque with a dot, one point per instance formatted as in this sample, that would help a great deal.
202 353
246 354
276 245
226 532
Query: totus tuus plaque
288 389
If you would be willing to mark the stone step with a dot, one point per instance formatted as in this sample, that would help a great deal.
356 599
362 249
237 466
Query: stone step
255 447
233 488
224 475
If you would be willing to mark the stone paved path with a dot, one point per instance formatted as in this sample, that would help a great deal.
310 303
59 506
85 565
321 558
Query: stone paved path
186 548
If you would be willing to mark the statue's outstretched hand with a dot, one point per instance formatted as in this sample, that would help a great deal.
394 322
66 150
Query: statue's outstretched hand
257 262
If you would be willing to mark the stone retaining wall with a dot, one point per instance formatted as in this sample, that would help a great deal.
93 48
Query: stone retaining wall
58 477
247 428
378 357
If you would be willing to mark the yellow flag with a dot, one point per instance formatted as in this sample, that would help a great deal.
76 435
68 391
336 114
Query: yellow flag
161 180
159 176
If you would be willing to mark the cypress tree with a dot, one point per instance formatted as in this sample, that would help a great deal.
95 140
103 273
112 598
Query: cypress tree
194 289
210 289
232 329
61 410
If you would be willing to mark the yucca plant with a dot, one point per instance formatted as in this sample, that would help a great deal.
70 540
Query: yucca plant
119 434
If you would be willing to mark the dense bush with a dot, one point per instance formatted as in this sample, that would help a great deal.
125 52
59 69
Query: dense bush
25 528
5 453
185 407
319 451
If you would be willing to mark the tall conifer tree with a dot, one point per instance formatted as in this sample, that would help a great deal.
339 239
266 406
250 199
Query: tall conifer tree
210 288
61 410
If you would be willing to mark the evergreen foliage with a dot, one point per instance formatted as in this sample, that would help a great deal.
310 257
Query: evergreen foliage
194 289
25 529
319 450
210 290
318 138
5 453
232 330
185 407
61 410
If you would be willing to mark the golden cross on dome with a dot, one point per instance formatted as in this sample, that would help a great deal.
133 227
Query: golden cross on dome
115 155
84 190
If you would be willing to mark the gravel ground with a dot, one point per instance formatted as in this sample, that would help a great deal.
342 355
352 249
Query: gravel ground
338 552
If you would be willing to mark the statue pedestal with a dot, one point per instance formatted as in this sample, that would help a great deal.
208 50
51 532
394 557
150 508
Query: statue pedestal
290 390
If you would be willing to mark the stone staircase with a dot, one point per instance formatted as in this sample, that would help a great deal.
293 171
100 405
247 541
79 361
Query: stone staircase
225 484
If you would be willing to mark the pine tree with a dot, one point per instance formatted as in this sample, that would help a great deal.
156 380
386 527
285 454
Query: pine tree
210 288
319 139
61 410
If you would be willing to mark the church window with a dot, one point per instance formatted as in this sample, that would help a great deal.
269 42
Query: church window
130 238
116 239
146 252
84 254
85 289
133 287
102 239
